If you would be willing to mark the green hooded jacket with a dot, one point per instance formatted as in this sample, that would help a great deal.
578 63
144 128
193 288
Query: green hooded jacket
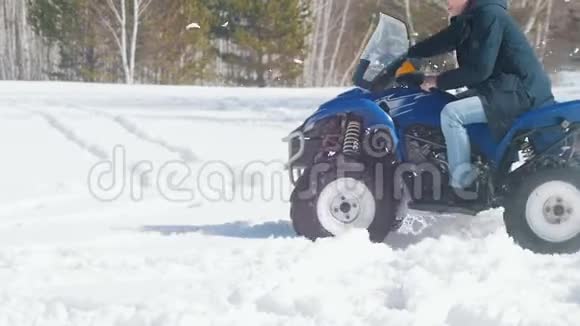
496 62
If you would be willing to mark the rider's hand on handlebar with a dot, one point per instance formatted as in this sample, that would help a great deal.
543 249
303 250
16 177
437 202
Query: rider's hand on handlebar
429 83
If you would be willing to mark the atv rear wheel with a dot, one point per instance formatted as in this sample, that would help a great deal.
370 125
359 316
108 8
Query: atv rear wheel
332 203
543 215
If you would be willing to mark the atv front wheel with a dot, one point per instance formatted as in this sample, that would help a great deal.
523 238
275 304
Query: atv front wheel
543 215
331 203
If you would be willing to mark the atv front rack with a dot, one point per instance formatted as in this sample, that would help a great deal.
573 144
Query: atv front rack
296 149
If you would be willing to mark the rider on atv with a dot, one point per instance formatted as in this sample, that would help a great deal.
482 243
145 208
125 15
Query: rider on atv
499 67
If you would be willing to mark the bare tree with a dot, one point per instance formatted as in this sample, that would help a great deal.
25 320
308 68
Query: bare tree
349 71
23 55
312 41
410 20
319 43
325 35
331 74
539 6
537 21
123 25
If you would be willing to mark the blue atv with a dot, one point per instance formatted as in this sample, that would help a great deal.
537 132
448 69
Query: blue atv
362 159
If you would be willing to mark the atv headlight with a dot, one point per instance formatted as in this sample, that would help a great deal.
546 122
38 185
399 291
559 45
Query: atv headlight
309 126
323 127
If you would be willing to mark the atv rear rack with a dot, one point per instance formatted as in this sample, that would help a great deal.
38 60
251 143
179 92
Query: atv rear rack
571 137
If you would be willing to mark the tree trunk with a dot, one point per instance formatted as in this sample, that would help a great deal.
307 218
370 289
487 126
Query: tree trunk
136 18
410 22
349 71
312 41
546 30
539 5
124 48
321 69
331 74
23 55
117 24
18 53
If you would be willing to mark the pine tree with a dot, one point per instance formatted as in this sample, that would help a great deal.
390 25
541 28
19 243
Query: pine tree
172 53
66 24
266 36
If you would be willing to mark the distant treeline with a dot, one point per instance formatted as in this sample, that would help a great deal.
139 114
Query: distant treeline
235 42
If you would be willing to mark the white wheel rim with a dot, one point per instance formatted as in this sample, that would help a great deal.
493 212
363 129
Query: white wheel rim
345 204
553 211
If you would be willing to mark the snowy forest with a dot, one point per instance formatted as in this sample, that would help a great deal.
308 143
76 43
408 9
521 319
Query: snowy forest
290 43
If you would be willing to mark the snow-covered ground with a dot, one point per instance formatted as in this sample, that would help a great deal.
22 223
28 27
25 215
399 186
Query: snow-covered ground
219 254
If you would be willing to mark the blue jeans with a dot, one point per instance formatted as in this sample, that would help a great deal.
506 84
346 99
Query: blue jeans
454 117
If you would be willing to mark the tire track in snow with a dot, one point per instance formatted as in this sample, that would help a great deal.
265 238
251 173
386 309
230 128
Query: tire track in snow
93 149
201 118
71 136
184 153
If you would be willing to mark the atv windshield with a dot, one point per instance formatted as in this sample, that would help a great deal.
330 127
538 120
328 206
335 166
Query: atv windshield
389 41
